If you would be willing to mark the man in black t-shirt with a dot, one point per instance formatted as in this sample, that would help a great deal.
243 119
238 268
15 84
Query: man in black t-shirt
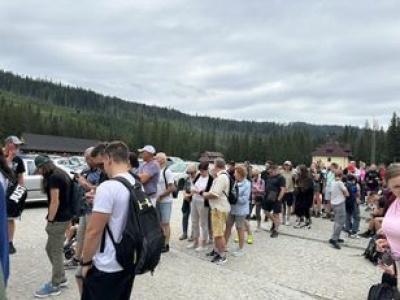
275 188
17 166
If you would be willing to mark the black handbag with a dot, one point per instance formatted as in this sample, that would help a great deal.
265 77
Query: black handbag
383 291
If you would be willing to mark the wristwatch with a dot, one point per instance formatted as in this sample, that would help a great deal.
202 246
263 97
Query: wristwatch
86 263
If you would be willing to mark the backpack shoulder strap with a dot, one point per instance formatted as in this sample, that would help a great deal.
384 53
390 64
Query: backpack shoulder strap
165 178
129 186
196 178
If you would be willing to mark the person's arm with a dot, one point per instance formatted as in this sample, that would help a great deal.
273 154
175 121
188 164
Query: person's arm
85 183
93 236
168 191
54 204
345 191
20 178
144 177
282 192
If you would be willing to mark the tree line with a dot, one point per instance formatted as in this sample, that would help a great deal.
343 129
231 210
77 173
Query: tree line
44 107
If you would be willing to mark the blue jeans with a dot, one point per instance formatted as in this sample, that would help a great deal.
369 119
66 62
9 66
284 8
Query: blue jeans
353 218
340 219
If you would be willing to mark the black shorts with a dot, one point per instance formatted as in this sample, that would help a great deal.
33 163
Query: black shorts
275 206
104 286
288 198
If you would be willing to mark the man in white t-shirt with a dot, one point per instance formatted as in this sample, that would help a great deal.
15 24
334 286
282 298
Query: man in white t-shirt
104 278
165 186
338 202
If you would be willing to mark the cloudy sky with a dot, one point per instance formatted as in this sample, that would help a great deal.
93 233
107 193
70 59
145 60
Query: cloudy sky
322 62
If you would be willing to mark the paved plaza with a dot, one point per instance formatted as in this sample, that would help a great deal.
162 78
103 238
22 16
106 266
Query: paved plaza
299 264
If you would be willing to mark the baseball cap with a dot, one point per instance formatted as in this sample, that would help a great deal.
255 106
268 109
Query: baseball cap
40 160
148 148
288 163
13 139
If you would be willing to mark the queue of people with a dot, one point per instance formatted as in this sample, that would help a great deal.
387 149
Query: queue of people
207 215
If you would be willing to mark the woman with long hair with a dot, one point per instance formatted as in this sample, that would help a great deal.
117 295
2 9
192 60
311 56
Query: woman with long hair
390 241
57 185
304 197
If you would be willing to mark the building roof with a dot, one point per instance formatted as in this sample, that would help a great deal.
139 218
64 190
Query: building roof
55 144
332 150
210 156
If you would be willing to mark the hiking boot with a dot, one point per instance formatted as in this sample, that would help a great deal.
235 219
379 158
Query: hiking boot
47 290
250 239
165 249
71 264
340 240
183 237
212 253
274 234
219 260
334 243
11 248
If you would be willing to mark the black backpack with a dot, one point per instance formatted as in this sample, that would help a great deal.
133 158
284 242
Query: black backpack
139 250
383 291
76 199
233 195
371 252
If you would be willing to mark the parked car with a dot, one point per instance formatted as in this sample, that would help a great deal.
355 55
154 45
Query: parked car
179 170
33 181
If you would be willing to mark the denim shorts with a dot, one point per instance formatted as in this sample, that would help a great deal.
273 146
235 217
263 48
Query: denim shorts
237 220
164 211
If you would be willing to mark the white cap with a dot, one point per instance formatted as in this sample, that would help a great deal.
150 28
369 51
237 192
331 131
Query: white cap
288 163
148 148
13 139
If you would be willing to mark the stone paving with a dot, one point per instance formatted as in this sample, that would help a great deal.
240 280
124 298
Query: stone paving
299 264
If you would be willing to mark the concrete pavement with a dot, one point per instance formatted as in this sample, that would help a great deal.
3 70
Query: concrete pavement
299 264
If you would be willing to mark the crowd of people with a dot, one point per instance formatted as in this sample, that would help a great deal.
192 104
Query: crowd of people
283 195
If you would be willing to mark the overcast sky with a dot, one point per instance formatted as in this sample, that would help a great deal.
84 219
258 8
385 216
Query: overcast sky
322 62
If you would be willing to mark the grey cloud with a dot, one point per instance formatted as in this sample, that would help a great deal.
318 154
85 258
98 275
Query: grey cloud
256 60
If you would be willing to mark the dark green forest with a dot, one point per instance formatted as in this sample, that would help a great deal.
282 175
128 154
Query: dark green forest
43 107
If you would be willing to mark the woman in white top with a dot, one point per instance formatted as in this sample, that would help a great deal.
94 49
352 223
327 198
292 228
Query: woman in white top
200 209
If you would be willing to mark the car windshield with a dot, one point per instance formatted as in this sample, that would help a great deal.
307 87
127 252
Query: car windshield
178 168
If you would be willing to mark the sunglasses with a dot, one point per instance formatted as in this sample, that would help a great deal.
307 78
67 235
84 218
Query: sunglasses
189 173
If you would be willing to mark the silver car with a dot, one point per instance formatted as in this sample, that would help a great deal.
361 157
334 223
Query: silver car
33 181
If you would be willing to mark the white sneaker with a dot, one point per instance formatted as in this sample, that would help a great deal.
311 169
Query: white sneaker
191 246
200 249
238 253
354 236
